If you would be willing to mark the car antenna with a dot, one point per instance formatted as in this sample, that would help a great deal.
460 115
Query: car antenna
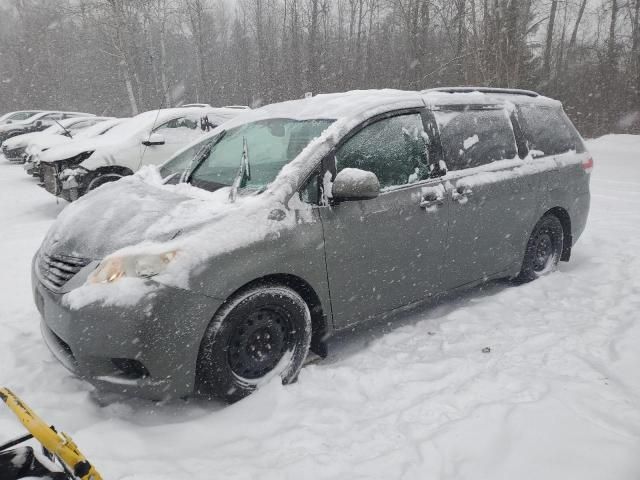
153 125
244 172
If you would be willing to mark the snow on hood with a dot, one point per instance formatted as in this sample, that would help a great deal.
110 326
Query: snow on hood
118 215
138 215
36 138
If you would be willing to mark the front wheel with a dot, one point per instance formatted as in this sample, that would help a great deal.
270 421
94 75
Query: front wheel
260 333
101 179
544 249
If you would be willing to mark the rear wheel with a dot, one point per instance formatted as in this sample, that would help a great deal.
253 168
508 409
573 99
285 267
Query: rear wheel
261 332
544 249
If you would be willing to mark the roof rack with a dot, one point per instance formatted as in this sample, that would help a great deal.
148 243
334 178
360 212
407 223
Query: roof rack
507 91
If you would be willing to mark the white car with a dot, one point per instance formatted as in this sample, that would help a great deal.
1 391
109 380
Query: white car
149 138
44 143
18 116
36 123
14 148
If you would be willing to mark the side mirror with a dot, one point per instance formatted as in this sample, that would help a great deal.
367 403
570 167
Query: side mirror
153 139
38 123
355 184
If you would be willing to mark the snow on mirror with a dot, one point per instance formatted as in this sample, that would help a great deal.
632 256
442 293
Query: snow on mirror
355 184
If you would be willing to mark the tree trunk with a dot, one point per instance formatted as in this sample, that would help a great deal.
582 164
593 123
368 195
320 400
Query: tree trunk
574 36
546 66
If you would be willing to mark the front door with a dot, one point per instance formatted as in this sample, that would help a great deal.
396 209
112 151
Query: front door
176 134
386 252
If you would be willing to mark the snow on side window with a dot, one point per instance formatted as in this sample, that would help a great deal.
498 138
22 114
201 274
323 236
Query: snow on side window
471 138
548 131
392 148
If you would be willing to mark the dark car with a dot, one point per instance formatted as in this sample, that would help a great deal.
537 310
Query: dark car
300 219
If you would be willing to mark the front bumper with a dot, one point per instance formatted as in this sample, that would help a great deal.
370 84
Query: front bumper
15 154
70 188
162 333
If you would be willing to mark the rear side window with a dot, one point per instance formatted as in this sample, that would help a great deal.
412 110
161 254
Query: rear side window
471 138
548 130
392 148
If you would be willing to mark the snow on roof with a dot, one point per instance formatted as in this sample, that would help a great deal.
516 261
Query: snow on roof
357 103
440 97
335 106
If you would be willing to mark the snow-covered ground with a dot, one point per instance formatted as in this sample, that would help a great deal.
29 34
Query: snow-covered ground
556 397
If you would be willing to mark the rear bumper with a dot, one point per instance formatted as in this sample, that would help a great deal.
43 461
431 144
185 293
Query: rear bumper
162 333
579 213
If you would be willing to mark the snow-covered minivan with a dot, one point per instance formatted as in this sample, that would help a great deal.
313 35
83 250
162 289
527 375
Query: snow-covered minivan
149 138
222 269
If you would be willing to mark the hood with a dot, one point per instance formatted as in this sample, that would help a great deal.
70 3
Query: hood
27 138
129 212
48 141
69 149
8 127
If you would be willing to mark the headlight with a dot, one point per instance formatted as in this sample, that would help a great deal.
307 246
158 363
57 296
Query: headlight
78 159
142 266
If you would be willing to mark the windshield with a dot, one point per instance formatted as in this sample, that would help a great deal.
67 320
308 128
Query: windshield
271 144
21 115
53 129
181 161
98 129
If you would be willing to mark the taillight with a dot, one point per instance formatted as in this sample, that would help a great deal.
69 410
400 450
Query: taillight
587 165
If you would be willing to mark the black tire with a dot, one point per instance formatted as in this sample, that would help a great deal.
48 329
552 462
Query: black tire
261 332
544 249
101 179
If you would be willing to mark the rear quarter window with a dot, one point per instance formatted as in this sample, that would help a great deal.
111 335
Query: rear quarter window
474 137
548 130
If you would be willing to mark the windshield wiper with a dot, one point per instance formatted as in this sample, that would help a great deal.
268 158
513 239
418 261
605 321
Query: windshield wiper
196 160
200 157
244 172
66 132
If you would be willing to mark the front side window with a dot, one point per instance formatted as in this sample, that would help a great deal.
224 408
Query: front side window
177 123
471 138
270 145
393 148
548 131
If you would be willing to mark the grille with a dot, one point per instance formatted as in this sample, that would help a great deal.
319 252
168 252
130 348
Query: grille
49 176
56 270
15 154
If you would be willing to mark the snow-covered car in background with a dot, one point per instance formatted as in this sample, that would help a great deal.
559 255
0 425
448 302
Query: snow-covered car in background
19 115
302 218
14 149
42 144
36 123
150 138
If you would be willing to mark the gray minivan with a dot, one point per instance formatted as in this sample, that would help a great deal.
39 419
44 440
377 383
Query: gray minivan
224 267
